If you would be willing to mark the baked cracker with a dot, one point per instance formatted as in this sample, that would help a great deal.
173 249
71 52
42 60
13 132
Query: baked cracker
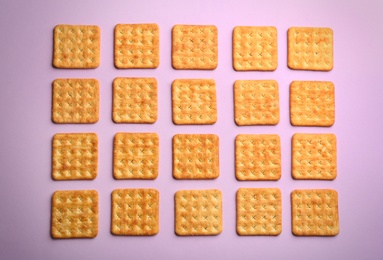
136 156
198 212
76 46
259 212
74 156
75 101
257 157
194 101
74 214
255 48
312 103
195 47
135 212
195 156
315 212
136 46
256 102
135 100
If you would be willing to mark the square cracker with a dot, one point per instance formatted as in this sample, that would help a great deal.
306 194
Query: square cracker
195 156
74 214
75 156
135 212
136 156
135 100
198 212
312 103
259 211
314 157
315 212
255 48
76 46
257 157
136 46
195 47
194 101
310 48
256 102
75 101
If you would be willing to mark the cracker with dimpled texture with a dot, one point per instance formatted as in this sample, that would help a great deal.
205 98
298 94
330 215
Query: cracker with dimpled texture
315 212
136 46
195 47
312 103
74 214
76 46
314 157
198 212
255 48
194 102
259 212
256 102
195 156
257 157
135 100
136 156
135 212
75 156
310 48
75 101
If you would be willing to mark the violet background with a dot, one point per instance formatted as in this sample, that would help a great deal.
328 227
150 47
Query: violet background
26 130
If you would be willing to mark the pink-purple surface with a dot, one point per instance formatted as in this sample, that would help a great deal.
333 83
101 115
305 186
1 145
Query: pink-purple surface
26 129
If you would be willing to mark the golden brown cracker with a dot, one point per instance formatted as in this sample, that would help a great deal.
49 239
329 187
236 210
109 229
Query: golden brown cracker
195 156
255 48
135 100
256 102
315 212
195 47
198 212
76 46
312 103
310 48
257 157
135 212
136 46
75 156
314 157
74 214
136 156
259 212
194 101
75 101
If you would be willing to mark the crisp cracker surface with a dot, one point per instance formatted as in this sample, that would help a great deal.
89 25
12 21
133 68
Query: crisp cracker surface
75 156
256 102
314 157
76 46
75 101
198 212
136 46
315 212
135 212
255 48
259 211
135 100
257 157
194 101
136 156
312 103
74 214
195 156
195 47
310 48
